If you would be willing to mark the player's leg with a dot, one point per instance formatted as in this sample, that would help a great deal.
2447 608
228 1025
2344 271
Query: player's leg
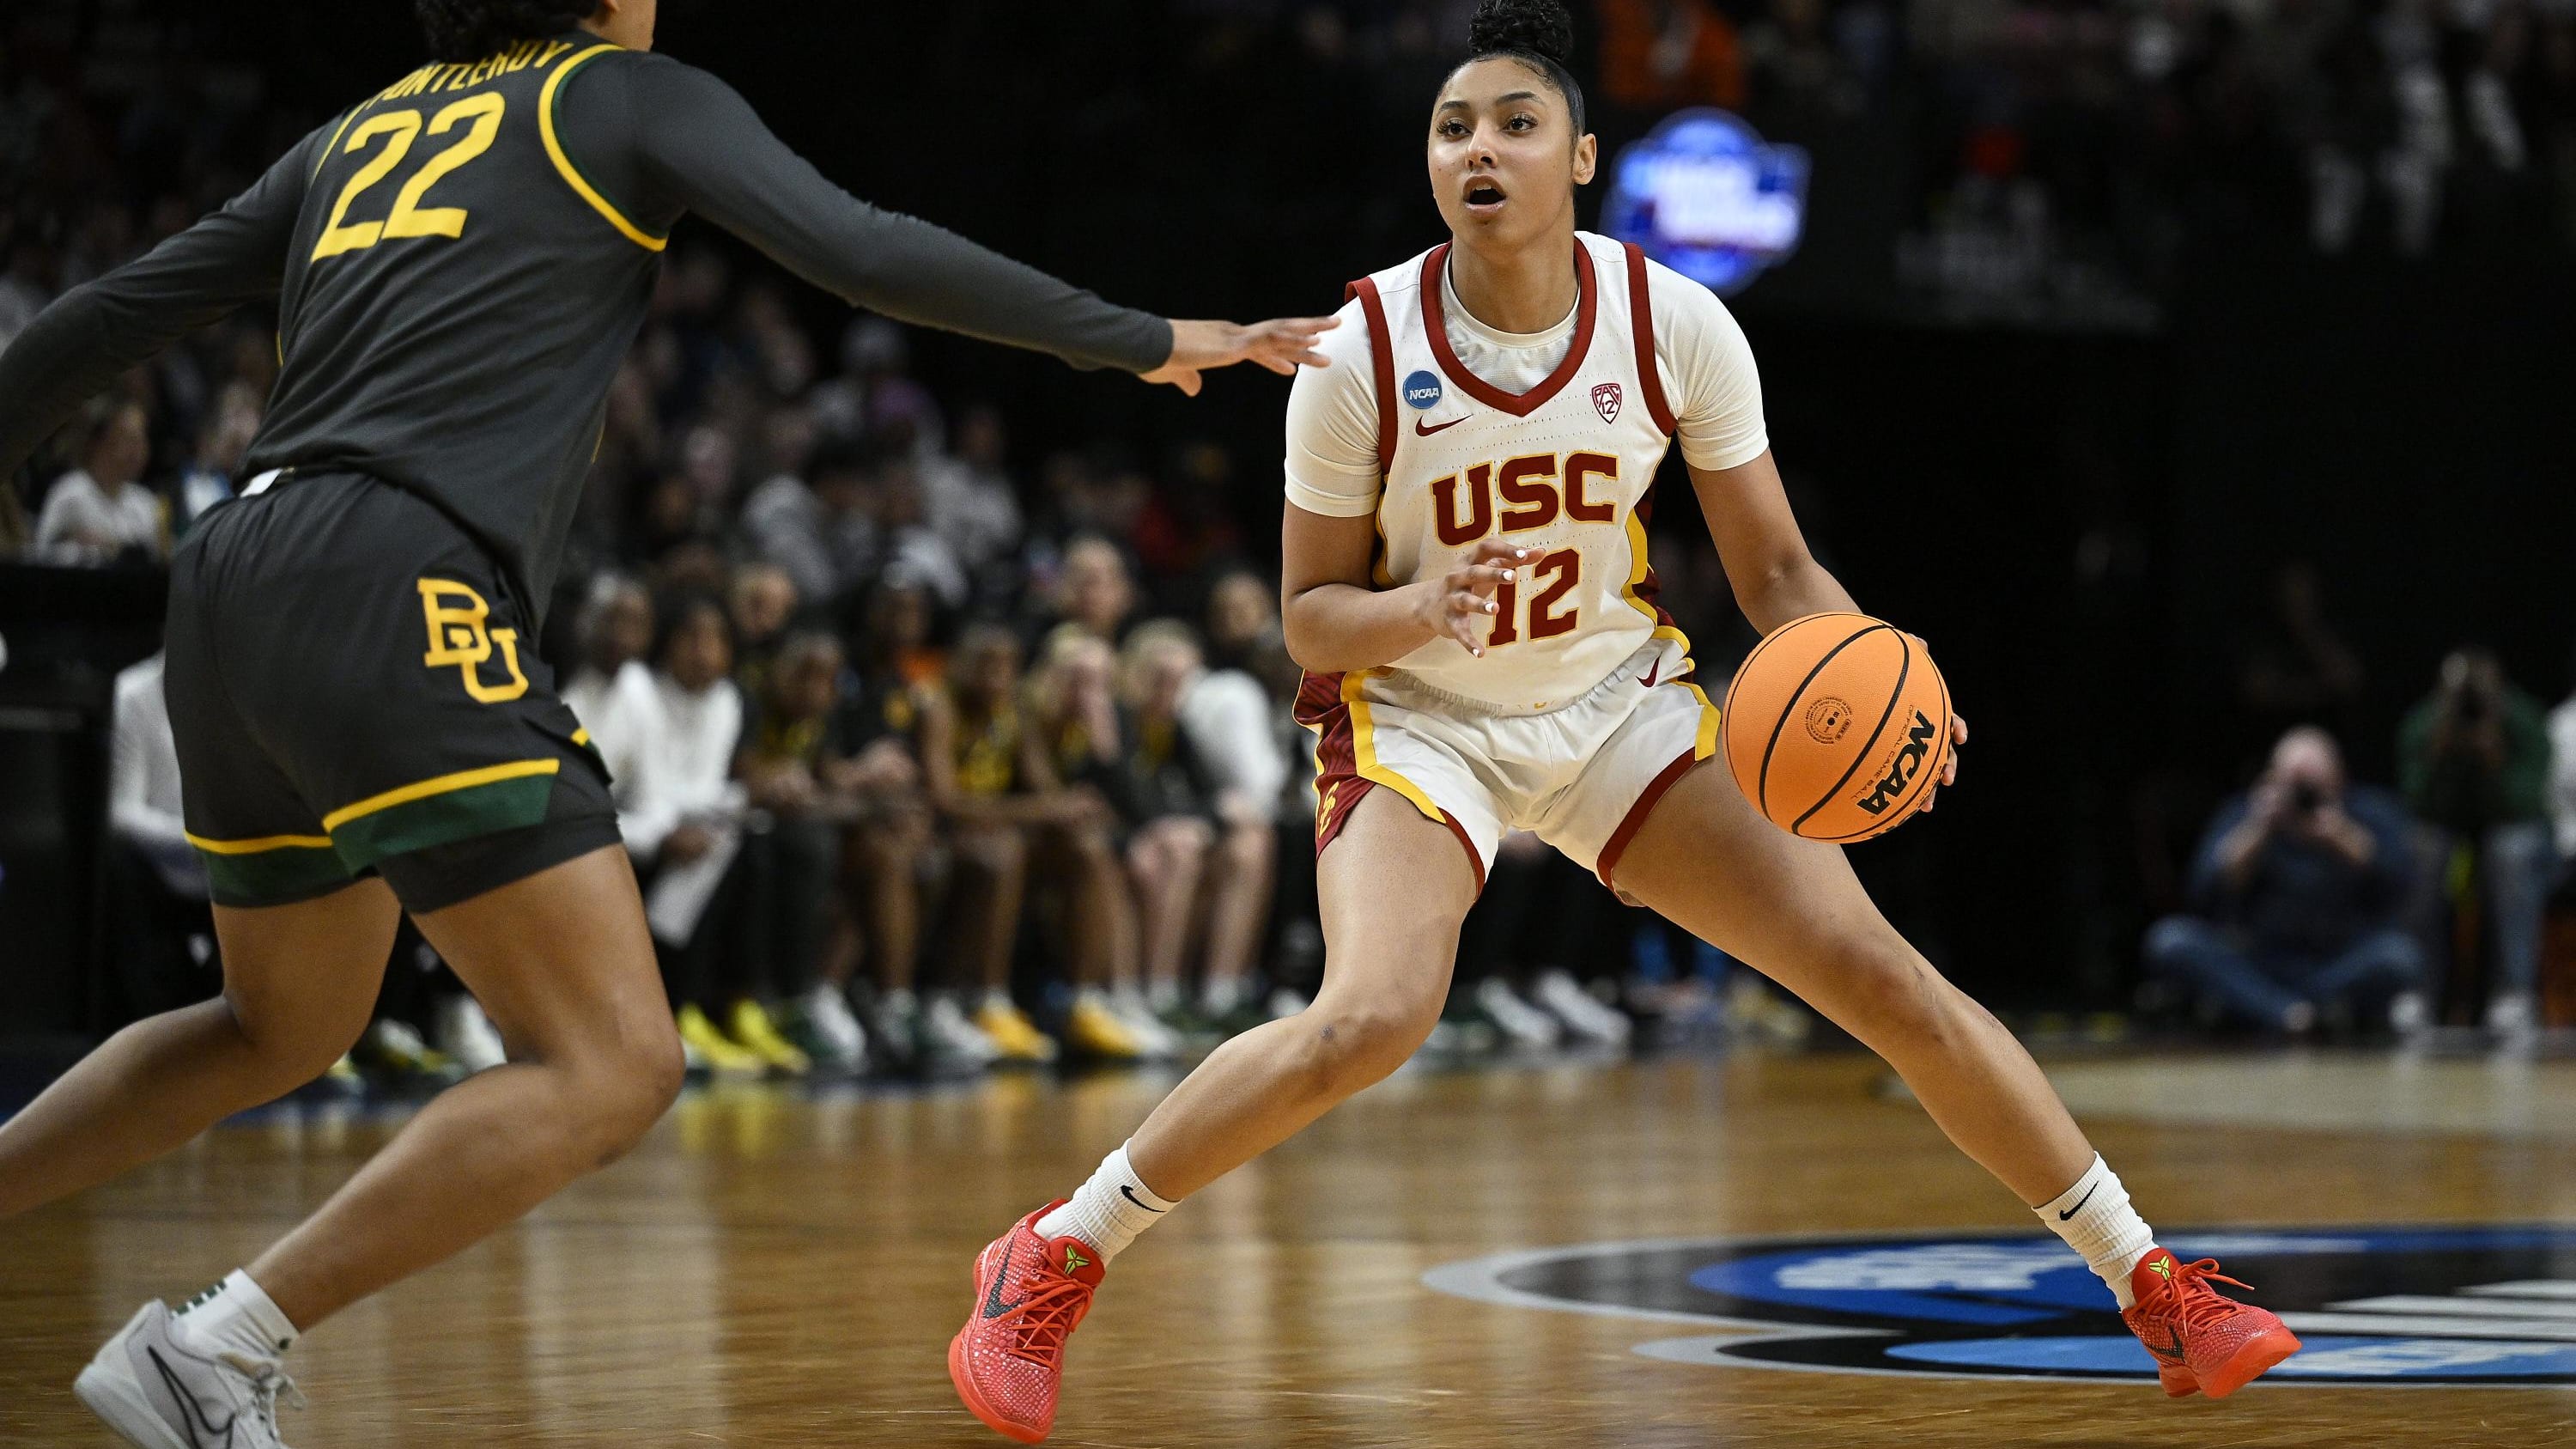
299 983
1793 910
562 962
1394 886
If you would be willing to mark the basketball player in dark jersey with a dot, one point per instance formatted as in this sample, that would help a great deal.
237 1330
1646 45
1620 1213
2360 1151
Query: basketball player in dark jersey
460 262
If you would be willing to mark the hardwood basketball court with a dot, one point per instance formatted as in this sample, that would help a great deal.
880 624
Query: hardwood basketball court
783 1268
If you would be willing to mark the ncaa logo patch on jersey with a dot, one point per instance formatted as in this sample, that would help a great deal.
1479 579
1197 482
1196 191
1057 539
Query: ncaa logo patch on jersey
1422 390
2464 1306
1605 401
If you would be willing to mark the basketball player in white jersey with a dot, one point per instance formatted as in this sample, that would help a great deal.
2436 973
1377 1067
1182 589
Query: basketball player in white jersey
1465 580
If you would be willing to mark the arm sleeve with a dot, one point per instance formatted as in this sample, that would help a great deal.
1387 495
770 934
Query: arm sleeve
1332 465
98 330
1717 393
691 143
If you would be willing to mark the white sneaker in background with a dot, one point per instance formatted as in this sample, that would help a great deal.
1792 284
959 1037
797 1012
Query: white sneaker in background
947 1032
2512 1019
157 1390
1523 1023
467 1036
1582 1014
1160 1042
839 1041
2408 1016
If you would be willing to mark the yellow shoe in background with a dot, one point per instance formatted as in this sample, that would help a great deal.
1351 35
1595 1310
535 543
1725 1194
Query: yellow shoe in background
1095 1030
722 1054
759 1036
1012 1031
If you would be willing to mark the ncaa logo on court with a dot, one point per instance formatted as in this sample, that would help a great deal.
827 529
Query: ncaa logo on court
2468 1306
1422 390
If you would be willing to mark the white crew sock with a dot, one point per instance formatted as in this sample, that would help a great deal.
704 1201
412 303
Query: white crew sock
2095 1219
236 1314
1108 1211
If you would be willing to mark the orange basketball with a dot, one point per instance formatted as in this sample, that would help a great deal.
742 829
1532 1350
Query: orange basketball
1837 726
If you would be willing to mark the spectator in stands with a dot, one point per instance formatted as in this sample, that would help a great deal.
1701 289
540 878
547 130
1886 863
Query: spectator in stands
825 535
989 779
2562 769
214 467
685 823
2297 893
1097 593
2473 760
100 512
164 926
763 602
1089 744
611 690
907 541
870 766
1227 724
791 767
969 497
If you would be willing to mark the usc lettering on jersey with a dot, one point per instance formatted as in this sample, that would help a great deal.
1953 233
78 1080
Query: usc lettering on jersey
1566 468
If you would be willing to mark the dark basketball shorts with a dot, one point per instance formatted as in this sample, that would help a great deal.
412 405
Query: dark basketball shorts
355 691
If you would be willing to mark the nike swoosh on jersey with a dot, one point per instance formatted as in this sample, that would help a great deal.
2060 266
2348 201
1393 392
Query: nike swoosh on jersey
1420 430
1651 671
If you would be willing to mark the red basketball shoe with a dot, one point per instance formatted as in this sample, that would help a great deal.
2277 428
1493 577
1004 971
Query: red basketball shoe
1030 1293
2203 1342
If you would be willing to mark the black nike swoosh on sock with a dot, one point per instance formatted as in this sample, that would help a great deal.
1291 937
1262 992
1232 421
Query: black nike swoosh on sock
193 1413
2069 1214
1129 1193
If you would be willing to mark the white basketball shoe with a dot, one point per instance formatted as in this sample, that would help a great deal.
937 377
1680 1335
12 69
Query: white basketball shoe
158 1390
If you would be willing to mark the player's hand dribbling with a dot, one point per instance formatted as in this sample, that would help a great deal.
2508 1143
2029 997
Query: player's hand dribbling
1460 604
1283 345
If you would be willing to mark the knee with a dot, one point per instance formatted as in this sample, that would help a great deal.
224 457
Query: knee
623 1088
1248 848
295 1044
1895 995
1344 1050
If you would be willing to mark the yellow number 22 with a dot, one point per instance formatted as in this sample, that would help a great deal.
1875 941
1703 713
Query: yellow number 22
409 217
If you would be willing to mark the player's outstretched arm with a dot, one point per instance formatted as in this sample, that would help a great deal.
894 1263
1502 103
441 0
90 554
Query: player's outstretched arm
696 145
93 333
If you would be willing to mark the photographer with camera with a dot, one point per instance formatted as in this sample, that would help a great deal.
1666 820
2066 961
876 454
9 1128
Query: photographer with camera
2473 760
2296 892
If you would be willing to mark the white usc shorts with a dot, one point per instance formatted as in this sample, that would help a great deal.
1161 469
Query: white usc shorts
1582 776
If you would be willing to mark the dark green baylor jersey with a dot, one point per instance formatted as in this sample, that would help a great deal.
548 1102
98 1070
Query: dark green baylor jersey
461 262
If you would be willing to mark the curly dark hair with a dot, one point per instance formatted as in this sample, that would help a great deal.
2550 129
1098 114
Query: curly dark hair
1537 33
462 30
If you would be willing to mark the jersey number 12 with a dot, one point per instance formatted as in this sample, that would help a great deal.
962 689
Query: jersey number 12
409 217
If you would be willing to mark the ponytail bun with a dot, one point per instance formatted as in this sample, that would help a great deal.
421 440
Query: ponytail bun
1539 28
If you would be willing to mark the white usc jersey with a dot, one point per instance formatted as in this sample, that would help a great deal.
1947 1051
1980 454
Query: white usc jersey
1563 468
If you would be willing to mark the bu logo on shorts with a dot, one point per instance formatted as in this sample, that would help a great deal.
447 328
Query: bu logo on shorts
457 636
1605 401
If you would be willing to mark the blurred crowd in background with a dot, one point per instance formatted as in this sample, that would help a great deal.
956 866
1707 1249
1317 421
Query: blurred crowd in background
940 747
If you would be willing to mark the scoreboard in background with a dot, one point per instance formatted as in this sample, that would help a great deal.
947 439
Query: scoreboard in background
1707 197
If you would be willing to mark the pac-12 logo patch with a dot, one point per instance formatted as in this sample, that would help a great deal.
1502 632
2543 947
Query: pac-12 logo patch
1605 401
2469 1306
1422 390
